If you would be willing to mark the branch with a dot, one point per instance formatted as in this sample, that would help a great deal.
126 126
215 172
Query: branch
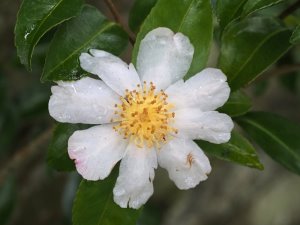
284 69
290 10
279 71
118 19
25 154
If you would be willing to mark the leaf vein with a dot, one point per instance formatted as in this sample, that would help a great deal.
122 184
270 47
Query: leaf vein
185 15
109 24
42 22
276 138
255 50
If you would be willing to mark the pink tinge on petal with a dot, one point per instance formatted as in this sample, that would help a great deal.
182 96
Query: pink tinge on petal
96 151
77 162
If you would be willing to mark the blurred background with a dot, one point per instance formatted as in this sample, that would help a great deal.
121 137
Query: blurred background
33 193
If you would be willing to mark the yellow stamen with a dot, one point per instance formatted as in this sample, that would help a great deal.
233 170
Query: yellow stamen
144 117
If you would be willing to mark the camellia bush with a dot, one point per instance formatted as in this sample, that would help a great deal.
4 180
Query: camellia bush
179 99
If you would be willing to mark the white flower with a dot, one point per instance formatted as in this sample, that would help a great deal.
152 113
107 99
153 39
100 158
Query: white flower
149 116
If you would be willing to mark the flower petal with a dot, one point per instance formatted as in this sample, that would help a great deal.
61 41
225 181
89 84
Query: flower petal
207 90
134 185
111 69
211 126
186 163
96 151
87 101
164 57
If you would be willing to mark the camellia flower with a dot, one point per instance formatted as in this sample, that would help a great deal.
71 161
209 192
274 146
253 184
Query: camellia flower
149 116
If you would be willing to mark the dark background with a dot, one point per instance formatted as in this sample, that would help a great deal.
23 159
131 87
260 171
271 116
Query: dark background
31 193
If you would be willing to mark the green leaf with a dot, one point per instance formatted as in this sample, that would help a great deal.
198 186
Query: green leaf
139 12
295 39
228 10
7 199
94 204
58 157
255 5
249 47
238 104
276 135
35 18
88 30
237 150
193 18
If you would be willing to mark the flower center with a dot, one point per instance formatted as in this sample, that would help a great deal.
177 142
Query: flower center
144 116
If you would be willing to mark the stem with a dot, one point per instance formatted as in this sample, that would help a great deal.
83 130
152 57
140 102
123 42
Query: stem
290 10
280 71
285 69
118 19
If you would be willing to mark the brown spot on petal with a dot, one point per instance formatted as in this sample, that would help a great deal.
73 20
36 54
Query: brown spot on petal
190 159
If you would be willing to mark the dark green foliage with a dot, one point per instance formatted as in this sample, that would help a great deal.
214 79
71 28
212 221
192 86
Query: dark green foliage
237 150
88 30
249 47
94 204
277 136
35 18
238 104
139 12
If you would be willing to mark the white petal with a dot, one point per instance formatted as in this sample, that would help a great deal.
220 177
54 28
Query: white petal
164 57
134 185
211 126
111 69
87 101
186 163
207 90
96 151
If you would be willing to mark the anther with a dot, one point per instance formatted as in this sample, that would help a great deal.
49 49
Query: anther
144 116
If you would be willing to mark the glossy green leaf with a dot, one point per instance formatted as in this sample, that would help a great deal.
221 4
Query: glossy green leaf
238 104
7 199
228 10
255 5
277 136
250 46
139 12
94 204
295 39
88 30
193 18
35 18
58 157
237 150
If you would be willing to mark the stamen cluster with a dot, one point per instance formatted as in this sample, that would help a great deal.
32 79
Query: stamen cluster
144 116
